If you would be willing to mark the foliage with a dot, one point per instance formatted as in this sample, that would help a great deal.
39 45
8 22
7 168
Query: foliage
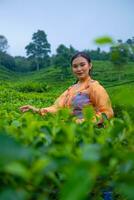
98 54
7 61
22 64
130 46
52 157
39 48
3 43
119 54
63 57
30 86
104 40
38 52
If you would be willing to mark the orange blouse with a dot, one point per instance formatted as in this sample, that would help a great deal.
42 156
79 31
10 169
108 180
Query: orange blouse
98 98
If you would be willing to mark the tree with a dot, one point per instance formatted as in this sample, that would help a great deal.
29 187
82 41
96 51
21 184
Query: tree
3 43
22 64
119 56
7 60
130 44
63 57
39 49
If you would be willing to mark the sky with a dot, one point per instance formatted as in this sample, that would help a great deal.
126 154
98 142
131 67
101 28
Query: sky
68 22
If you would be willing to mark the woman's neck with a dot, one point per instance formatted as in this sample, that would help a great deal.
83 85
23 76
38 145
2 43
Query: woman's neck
84 79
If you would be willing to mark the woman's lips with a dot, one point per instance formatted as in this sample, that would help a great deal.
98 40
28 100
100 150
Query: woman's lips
79 73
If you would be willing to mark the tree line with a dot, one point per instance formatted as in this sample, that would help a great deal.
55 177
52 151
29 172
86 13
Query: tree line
39 56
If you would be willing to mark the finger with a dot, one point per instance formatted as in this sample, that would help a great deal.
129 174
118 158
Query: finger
24 110
25 106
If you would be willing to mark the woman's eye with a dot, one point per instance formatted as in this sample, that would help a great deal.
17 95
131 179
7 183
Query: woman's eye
76 66
82 64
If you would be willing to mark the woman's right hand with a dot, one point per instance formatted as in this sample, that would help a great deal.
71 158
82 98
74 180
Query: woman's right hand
27 108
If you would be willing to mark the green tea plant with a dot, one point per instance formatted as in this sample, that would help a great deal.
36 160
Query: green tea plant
52 157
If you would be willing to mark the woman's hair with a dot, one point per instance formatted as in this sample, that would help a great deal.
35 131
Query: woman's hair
81 54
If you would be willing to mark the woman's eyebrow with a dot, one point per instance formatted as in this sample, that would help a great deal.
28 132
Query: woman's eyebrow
83 62
78 63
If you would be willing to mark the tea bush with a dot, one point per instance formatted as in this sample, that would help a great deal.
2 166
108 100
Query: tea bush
52 157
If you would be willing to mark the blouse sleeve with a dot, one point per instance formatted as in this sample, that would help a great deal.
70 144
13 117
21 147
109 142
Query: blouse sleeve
59 103
101 101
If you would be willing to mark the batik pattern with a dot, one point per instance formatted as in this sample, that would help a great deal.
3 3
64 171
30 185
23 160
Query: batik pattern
78 102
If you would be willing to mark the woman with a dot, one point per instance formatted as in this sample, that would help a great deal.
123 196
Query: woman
85 92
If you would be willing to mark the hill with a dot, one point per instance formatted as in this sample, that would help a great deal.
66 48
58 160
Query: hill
8 75
47 84
103 71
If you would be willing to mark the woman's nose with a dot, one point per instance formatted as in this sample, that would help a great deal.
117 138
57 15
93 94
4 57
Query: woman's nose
79 68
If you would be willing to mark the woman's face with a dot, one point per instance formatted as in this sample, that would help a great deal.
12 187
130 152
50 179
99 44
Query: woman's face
81 67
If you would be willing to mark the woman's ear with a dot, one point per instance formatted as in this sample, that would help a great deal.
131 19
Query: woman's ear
90 65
